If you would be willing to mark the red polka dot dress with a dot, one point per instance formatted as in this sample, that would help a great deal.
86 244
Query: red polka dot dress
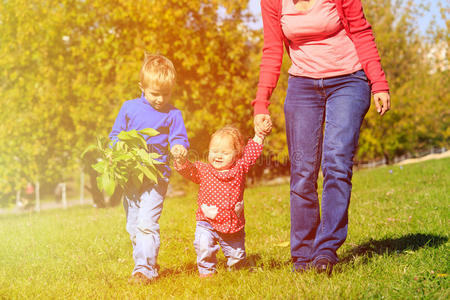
220 196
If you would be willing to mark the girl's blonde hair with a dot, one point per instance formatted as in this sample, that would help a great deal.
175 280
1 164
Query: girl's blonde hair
157 70
236 137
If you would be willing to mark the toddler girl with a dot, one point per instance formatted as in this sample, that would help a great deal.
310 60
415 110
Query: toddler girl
220 213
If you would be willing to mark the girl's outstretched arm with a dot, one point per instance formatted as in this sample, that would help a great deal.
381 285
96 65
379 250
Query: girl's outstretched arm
188 170
252 151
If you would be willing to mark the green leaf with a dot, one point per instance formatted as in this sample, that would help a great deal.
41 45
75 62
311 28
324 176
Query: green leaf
99 183
121 156
133 138
88 149
108 184
149 174
154 155
120 146
100 143
100 166
149 131
149 158
145 156
141 177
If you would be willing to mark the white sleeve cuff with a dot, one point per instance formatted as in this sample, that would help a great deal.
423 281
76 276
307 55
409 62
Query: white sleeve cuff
258 139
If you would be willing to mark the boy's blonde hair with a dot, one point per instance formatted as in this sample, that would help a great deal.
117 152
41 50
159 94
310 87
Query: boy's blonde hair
236 137
157 70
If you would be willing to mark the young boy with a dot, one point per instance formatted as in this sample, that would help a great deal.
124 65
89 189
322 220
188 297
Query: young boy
143 207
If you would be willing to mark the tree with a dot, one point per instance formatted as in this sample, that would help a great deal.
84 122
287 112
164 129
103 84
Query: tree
411 124
36 126
419 115
68 65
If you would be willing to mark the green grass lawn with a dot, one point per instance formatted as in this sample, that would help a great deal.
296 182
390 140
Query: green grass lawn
397 247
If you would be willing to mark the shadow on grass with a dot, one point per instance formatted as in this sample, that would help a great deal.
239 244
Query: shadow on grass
252 263
189 268
410 242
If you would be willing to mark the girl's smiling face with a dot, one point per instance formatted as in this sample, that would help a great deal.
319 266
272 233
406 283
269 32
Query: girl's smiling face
222 154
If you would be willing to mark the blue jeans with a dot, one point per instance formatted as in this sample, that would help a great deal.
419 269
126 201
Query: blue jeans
143 210
323 120
207 243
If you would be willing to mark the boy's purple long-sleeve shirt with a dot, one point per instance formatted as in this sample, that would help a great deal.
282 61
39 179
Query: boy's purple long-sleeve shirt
139 114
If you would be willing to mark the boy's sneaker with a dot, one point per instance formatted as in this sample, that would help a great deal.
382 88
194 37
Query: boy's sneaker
140 279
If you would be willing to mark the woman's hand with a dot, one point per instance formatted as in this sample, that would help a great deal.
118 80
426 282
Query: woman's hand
263 124
385 100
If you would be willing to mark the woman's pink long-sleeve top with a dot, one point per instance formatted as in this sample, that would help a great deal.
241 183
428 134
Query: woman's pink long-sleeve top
357 28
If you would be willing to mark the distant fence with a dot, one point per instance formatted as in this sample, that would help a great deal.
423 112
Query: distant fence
397 159
33 200
82 201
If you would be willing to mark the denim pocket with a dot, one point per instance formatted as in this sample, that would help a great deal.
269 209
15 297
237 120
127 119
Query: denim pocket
360 75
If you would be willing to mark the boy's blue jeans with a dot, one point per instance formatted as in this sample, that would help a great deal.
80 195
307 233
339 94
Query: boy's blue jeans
208 242
143 211
323 120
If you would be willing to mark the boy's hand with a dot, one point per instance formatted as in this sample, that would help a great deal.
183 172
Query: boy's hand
179 153
178 150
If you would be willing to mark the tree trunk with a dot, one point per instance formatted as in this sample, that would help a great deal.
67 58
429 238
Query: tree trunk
116 197
82 186
38 196
386 158
63 195
97 195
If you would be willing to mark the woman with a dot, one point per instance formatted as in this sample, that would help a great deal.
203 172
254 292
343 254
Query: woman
335 67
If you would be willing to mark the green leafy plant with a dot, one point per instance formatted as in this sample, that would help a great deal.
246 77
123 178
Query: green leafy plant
126 162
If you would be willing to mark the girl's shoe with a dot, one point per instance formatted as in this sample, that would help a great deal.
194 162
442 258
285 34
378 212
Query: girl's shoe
140 279
207 275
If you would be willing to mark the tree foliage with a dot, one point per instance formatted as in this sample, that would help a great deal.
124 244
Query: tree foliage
419 86
66 66
419 90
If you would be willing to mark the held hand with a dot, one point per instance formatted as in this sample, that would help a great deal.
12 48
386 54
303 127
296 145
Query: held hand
179 161
263 124
179 153
385 100
258 139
